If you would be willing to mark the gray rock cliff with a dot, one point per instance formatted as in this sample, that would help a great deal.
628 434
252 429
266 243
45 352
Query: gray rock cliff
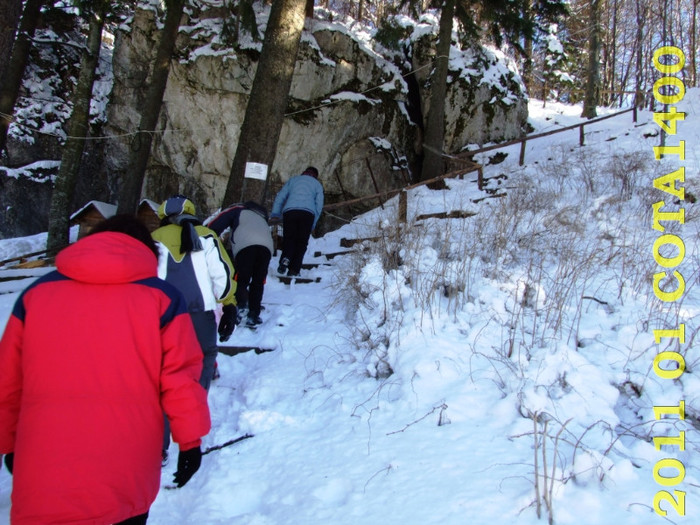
348 112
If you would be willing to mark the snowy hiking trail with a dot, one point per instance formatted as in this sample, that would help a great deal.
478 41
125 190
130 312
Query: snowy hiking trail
303 376
333 445
440 440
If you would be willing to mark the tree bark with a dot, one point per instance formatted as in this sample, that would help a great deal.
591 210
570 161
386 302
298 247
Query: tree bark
433 161
130 190
267 102
693 45
64 187
591 97
10 14
528 76
613 59
640 15
12 82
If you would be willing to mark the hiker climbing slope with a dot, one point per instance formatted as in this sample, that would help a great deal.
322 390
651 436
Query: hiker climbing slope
251 246
299 204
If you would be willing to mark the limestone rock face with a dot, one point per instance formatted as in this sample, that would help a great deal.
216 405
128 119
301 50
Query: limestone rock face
348 111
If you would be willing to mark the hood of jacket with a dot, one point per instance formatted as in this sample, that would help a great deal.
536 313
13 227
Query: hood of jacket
107 258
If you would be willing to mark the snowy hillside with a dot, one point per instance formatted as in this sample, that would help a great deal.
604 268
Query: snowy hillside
471 370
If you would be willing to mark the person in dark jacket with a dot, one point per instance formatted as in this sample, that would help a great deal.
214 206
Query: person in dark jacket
299 204
92 355
251 246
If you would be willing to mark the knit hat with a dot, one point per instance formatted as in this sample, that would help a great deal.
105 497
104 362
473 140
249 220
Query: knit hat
176 205
181 211
311 171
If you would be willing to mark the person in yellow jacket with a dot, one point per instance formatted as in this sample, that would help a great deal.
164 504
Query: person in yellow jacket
194 260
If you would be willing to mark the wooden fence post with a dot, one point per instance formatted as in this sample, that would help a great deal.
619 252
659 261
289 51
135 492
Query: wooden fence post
522 152
403 206
580 135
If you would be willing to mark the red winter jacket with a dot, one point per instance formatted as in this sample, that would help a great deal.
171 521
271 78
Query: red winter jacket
91 356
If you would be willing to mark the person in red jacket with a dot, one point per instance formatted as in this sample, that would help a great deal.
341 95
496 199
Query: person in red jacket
92 355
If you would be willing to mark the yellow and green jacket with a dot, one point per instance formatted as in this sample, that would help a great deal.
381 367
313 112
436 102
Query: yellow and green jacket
204 277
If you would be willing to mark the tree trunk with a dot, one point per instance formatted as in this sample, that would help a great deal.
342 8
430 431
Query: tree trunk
130 190
613 65
591 97
309 9
528 77
640 15
433 162
267 102
64 187
10 14
12 82
693 46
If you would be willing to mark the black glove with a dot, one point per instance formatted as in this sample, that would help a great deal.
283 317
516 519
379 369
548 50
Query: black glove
227 323
188 463
10 461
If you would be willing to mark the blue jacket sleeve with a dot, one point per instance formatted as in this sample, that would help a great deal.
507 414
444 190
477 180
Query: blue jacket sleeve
281 198
318 204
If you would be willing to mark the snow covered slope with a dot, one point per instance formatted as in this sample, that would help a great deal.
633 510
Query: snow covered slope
428 377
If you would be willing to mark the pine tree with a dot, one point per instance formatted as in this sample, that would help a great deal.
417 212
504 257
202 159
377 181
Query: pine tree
12 81
64 187
555 75
130 190
267 102
590 101
433 161
10 13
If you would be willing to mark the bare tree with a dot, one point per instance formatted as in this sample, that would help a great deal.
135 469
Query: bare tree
130 190
590 101
267 102
433 161
64 187
10 14
641 10
611 52
528 77
694 44
11 83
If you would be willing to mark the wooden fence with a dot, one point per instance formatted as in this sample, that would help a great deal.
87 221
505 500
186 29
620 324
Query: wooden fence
523 141
466 159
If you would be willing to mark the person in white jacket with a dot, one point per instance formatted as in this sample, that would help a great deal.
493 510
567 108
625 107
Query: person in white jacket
193 259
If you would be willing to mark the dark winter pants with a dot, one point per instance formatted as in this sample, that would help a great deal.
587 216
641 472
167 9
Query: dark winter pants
206 330
205 327
297 225
251 265
136 520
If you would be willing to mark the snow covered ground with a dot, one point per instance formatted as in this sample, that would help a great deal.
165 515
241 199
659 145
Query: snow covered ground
427 377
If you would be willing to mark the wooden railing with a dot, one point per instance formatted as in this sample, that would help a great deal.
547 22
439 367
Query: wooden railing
523 141
466 158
